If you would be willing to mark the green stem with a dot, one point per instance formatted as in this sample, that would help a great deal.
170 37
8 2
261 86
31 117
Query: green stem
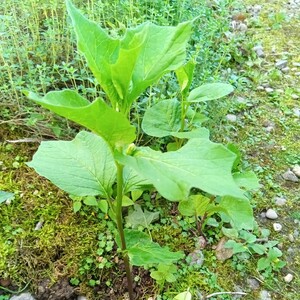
119 219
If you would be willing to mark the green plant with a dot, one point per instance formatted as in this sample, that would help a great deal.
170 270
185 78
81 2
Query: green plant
249 245
105 163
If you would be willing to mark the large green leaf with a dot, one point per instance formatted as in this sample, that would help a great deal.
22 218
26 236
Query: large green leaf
164 118
210 91
125 67
247 180
195 205
143 252
84 166
97 116
200 163
239 211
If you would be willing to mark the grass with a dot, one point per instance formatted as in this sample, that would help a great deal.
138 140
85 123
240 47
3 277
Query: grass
36 53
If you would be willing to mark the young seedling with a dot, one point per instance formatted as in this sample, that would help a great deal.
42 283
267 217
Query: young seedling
94 161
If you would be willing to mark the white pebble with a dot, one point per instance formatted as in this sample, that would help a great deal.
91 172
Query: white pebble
269 90
271 214
296 170
279 201
231 117
291 238
288 278
277 227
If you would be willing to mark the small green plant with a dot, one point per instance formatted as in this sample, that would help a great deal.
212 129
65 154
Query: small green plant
249 245
105 166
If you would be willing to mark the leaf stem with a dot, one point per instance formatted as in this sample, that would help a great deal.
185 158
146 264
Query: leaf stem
119 219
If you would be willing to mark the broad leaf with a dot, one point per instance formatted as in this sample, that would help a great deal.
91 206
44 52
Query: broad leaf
97 116
239 211
125 67
163 118
143 252
247 180
195 205
81 167
133 181
210 91
4 196
200 163
138 217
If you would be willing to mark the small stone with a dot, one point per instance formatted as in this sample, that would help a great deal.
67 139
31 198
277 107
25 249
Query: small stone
39 225
291 238
296 170
269 90
279 201
295 97
231 117
277 227
242 27
259 51
265 295
196 258
263 214
281 64
253 283
297 73
285 70
279 91
223 253
288 278
23 296
271 214
270 128
260 88
241 100
81 298
296 64
290 176
296 112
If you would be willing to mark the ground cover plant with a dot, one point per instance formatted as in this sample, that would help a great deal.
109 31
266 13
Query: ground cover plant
93 162
54 253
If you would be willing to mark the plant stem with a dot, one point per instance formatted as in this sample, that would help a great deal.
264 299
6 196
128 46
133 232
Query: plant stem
119 219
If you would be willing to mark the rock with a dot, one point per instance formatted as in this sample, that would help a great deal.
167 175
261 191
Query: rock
295 97
264 295
279 201
242 27
81 298
296 112
39 225
296 170
23 296
296 64
290 176
260 88
277 227
288 278
291 238
285 70
201 243
259 51
196 258
223 253
241 100
253 283
269 90
271 214
231 117
279 91
280 64
263 214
